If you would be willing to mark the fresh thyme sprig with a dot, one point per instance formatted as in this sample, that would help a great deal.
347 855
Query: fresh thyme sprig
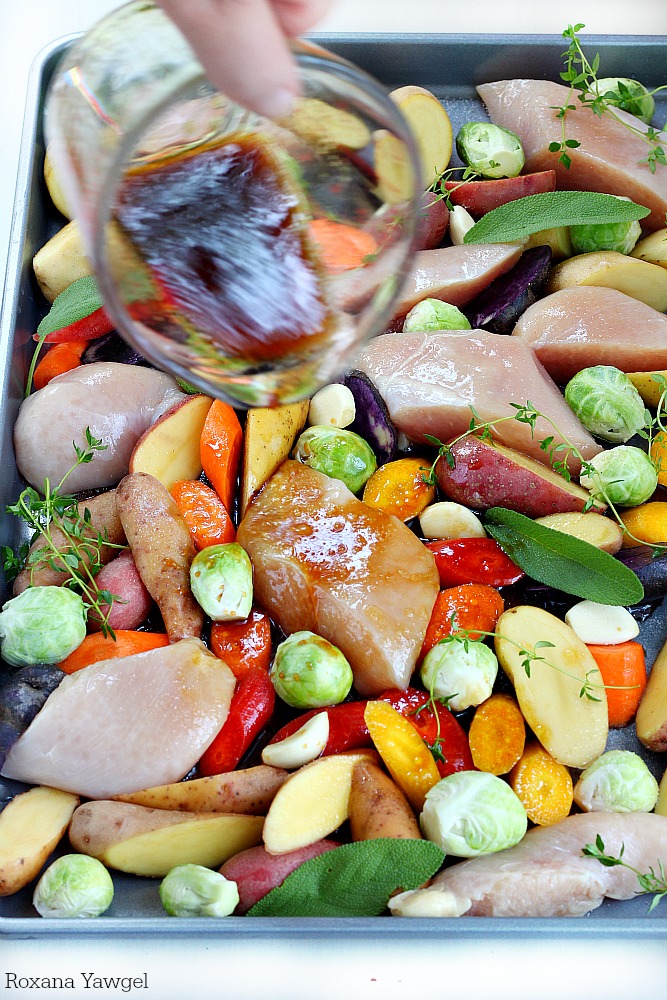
650 883
81 558
581 75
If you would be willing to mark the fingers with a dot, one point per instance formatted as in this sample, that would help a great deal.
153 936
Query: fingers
242 46
298 16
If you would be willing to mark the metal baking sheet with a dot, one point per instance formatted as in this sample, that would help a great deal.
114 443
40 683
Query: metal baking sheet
451 66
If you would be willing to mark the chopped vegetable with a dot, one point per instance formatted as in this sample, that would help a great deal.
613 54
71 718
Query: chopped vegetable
472 813
441 731
460 671
97 646
251 708
220 450
341 247
645 523
243 645
399 488
497 735
490 150
41 625
336 452
76 314
221 581
405 754
623 475
502 302
434 314
623 670
195 891
463 609
543 785
618 236
606 402
205 514
618 781
59 358
310 672
473 560
372 421
75 885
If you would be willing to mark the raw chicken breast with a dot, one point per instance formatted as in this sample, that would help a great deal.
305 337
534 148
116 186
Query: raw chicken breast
607 159
326 562
430 381
583 326
455 274
125 724
118 403
545 875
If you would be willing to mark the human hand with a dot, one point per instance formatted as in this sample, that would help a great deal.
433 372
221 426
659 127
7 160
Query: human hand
244 45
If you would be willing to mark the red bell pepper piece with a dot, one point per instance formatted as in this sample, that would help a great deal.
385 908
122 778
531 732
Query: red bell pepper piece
449 739
473 560
347 729
251 708
95 325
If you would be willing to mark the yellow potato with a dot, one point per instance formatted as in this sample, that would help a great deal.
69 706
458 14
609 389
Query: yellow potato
596 529
267 441
31 826
377 807
636 278
431 128
651 720
249 791
570 726
652 248
53 185
61 261
649 388
661 804
151 842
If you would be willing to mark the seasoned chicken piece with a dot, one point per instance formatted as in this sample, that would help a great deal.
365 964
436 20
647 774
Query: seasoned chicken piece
584 326
608 158
117 402
326 562
546 875
125 724
431 381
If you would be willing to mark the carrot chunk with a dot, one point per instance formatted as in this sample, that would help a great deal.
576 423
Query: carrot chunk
60 358
543 785
497 734
220 450
341 247
623 669
467 607
205 514
97 647
398 488
245 645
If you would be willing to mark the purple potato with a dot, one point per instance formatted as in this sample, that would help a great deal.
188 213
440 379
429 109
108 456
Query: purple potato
112 347
22 696
372 421
499 306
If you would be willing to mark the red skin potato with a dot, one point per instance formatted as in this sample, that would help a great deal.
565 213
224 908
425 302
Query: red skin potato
480 197
121 577
256 872
432 223
486 476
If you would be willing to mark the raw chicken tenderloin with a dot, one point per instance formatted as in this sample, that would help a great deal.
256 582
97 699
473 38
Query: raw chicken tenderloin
326 562
117 402
546 875
125 724
608 157
430 381
584 326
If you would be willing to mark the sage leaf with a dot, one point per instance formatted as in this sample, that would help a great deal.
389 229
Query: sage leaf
562 561
516 219
77 301
354 880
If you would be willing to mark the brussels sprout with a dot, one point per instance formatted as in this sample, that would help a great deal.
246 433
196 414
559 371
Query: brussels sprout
618 781
461 670
630 95
195 891
41 625
618 236
221 581
433 314
338 453
473 812
309 672
624 476
606 402
75 885
490 150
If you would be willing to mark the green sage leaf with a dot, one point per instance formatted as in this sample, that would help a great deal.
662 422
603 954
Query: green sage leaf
562 561
354 880
535 212
77 301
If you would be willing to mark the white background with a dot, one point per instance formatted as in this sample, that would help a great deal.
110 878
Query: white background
591 968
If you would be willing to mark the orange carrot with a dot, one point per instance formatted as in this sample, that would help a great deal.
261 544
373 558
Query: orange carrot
220 450
59 359
398 488
623 669
204 512
97 647
466 607
543 785
341 247
244 646
497 734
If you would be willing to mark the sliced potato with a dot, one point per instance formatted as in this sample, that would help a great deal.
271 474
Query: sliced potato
61 261
596 529
267 441
652 248
313 802
151 842
430 126
637 278
325 126
31 826
648 388
651 720
395 183
661 804
572 727
249 791
53 186
377 807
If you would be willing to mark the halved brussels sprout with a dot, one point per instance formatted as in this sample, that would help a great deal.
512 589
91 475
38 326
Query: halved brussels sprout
471 813
41 625
221 581
461 670
310 672
606 402
338 453
630 95
490 150
75 885
618 781
195 891
624 476
618 236
433 314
